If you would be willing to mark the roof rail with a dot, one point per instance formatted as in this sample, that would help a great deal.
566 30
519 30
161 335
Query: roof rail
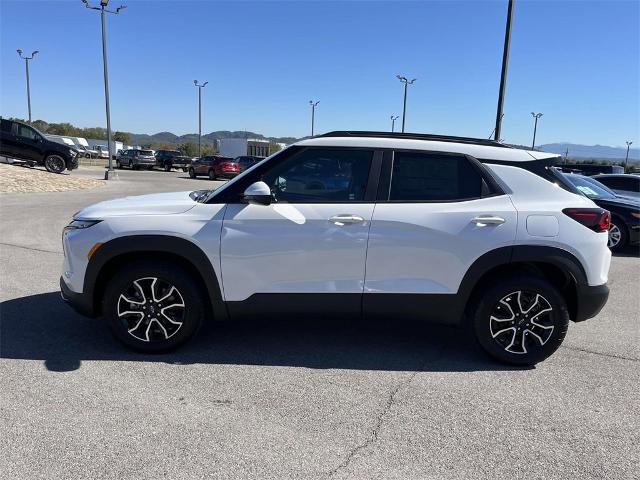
415 136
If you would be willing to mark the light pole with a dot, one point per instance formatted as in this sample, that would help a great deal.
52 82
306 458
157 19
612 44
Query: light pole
626 160
313 114
404 104
536 116
393 122
200 87
26 63
503 73
110 173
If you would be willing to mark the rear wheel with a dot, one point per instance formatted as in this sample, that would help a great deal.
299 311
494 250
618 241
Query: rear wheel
118 164
153 307
192 173
212 175
167 168
618 236
521 320
55 164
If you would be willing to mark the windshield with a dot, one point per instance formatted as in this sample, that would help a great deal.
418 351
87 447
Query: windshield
590 187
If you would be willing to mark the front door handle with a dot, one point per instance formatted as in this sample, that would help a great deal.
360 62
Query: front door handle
483 221
346 219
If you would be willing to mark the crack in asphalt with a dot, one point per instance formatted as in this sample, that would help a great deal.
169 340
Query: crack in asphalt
373 436
611 355
29 248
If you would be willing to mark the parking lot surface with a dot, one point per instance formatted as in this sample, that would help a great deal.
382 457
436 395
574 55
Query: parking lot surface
298 399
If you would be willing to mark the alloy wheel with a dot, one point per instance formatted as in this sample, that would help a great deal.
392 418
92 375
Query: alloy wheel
615 235
55 164
521 321
151 309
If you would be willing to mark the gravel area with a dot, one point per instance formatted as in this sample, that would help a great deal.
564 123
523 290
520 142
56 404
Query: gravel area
22 179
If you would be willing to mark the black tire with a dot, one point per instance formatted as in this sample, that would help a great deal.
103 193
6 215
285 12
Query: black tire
135 167
167 168
528 336
118 164
617 242
192 173
178 324
212 175
87 155
55 163
184 169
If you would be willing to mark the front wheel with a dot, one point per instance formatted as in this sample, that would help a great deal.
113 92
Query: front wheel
617 236
55 164
118 164
153 307
192 173
167 168
212 175
521 320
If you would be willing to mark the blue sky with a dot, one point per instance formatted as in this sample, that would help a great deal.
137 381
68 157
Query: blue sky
576 61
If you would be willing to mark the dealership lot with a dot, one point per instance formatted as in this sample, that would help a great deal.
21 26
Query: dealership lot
295 399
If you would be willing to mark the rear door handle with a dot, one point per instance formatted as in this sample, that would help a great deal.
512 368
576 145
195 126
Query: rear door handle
483 221
346 219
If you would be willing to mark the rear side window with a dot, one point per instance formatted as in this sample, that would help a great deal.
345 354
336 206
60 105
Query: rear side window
6 126
420 177
147 153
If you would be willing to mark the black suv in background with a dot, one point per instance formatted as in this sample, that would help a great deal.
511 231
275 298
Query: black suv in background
169 159
21 141
247 161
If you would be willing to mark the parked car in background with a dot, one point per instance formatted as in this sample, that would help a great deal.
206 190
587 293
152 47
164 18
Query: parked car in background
247 161
168 159
593 169
136 159
83 151
214 166
101 151
21 141
625 212
625 185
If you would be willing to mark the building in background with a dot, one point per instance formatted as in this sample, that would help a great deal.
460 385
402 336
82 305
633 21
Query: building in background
236 147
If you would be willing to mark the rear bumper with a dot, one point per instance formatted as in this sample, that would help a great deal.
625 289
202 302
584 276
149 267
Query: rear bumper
80 302
590 301
227 174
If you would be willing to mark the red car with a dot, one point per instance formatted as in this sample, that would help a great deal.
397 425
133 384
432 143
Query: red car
214 166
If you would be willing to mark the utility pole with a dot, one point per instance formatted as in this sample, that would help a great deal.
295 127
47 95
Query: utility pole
626 160
200 87
313 114
406 83
503 73
393 122
110 173
566 155
26 64
536 116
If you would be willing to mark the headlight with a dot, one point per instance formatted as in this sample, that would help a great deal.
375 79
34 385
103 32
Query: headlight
80 224
637 215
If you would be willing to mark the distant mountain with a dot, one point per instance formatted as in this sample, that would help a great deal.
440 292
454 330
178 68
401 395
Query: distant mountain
207 139
601 152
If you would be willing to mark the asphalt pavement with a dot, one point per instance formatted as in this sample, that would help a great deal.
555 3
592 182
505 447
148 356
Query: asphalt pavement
301 399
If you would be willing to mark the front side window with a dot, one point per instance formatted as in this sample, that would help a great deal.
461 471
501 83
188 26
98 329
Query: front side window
24 131
321 175
420 177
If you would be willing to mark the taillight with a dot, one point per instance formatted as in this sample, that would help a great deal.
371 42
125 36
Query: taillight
597 219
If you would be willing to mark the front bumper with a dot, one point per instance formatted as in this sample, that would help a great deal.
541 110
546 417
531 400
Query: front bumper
590 301
80 302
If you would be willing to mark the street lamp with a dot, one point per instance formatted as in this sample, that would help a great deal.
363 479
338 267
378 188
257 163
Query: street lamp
404 105
313 113
536 116
26 63
503 73
110 173
626 160
200 87
393 122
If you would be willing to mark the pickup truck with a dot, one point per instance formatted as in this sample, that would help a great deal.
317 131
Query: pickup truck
169 159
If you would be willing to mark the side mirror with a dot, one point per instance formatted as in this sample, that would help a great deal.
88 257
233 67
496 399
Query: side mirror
258 193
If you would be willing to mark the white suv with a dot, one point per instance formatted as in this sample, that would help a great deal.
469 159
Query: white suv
401 226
